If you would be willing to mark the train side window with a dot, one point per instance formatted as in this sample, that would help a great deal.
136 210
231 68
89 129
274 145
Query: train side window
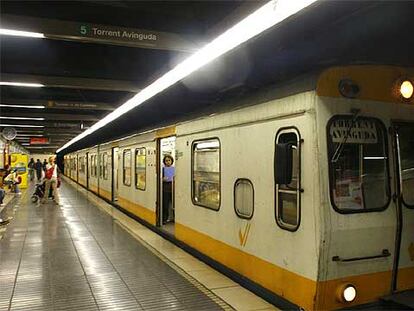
287 178
91 166
105 165
244 198
127 167
96 165
206 173
140 168
100 165
358 164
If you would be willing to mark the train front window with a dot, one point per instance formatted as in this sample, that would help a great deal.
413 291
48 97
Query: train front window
358 164
406 144
206 173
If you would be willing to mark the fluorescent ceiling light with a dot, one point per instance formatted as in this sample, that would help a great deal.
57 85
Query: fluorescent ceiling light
43 147
23 118
19 33
25 144
22 106
21 84
267 16
20 125
29 135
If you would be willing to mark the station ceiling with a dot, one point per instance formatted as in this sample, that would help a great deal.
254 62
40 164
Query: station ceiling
90 62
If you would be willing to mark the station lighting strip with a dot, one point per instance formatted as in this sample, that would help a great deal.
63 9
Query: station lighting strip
7 83
265 17
20 125
22 106
10 32
23 118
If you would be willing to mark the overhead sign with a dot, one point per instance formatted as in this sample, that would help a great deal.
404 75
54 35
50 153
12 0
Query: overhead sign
39 140
362 131
76 31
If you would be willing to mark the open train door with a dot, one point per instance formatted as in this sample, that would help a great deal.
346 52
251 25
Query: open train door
115 173
403 268
166 175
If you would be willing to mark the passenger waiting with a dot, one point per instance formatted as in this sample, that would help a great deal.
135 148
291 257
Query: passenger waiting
168 172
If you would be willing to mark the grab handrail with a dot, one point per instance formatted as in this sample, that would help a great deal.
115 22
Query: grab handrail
385 253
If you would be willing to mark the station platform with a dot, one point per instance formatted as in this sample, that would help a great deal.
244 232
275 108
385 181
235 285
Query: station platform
86 255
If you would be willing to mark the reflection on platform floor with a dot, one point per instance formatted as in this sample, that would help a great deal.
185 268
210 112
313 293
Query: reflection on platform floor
77 257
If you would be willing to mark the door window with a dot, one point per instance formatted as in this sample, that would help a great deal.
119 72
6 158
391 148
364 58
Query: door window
406 145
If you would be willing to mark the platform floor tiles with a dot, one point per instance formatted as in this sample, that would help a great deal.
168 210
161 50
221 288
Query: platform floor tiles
86 255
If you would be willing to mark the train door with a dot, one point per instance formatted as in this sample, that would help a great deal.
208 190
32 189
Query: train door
115 172
87 170
403 148
166 165
77 167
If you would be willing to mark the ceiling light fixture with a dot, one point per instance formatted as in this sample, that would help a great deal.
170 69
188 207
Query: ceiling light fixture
20 125
6 83
23 118
19 33
29 135
22 106
265 17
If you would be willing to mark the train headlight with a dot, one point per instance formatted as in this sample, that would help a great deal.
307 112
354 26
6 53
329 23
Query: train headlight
347 293
406 89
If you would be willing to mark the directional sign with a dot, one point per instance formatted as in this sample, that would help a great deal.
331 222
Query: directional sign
106 34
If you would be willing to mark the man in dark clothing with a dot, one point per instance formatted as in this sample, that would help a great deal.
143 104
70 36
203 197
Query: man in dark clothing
44 164
38 167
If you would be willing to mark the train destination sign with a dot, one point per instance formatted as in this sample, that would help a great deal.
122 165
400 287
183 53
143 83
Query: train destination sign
106 34
362 131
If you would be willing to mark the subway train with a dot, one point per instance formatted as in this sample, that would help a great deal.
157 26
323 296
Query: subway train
304 191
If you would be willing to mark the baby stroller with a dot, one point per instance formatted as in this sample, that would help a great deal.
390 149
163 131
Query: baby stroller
40 192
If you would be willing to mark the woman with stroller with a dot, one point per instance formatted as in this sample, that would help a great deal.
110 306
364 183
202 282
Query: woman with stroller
51 177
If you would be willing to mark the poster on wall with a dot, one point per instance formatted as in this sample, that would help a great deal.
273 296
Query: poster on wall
20 162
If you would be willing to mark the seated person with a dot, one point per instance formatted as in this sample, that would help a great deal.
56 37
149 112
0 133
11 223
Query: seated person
13 180
2 195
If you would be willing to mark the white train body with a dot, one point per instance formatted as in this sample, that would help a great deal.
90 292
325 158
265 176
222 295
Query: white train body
341 223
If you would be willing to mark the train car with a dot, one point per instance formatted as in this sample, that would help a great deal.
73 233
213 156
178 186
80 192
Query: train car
306 191
92 156
82 168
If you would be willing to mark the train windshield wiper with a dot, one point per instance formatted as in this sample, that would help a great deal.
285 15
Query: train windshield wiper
338 150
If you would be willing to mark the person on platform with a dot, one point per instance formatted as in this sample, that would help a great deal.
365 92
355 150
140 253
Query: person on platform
38 168
168 172
51 178
31 167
